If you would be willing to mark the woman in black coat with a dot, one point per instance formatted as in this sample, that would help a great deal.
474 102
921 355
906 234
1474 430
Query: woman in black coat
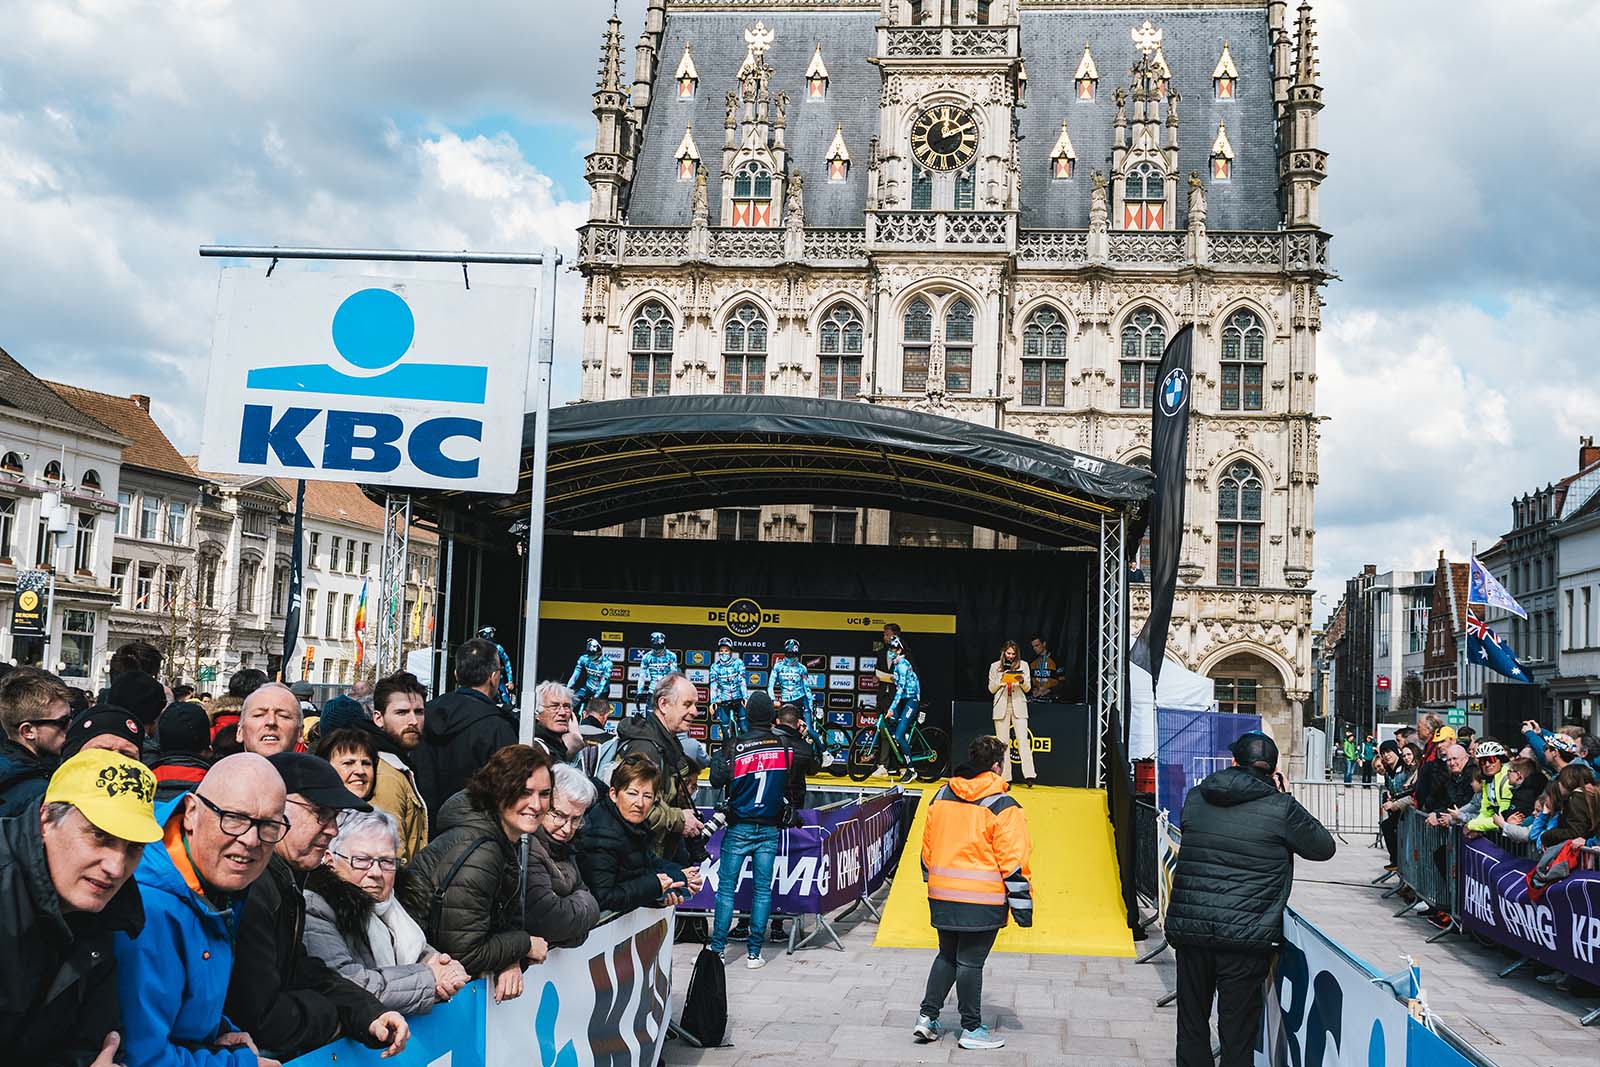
465 887
614 847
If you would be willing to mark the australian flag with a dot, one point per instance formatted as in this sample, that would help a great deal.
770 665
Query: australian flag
1485 649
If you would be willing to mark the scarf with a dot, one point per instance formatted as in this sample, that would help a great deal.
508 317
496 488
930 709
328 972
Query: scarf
394 936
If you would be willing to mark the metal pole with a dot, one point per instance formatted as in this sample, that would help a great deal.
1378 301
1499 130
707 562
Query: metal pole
378 255
544 359
50 600
442 653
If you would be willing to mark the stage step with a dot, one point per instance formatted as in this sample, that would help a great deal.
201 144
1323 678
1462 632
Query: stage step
1077 898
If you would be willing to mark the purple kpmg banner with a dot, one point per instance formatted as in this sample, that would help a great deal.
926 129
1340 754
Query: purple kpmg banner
1191 745
1562 929
836 856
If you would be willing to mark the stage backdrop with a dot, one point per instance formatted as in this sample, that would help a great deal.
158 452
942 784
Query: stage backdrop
994 594
838 643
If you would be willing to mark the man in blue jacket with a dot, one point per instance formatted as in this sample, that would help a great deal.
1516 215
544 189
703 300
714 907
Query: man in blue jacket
172 979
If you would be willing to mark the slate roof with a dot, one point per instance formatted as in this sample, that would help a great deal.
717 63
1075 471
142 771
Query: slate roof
21 391
149 447
1052 44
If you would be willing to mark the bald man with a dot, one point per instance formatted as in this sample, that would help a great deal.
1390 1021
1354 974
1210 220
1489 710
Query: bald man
269 722
173 978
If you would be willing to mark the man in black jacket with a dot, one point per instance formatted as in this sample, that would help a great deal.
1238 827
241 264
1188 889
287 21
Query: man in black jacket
463 728
35 710
288 1002
1225 920
66 887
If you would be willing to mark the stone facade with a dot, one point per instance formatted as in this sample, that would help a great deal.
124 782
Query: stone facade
881 199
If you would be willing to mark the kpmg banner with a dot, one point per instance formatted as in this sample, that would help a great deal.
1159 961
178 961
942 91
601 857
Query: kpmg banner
836 856
1562 929
1323 1007
367 379
604 1003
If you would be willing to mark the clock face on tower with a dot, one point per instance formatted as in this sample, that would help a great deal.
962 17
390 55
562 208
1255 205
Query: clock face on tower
945 137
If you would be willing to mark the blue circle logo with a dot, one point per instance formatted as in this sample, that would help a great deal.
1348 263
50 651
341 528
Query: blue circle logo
373 328
1174 391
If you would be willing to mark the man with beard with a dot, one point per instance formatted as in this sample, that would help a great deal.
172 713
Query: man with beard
396 729
289 1002
269 721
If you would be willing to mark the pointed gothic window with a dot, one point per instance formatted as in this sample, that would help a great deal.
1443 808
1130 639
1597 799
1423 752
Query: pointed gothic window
1144 198
817 77
1225 78
920 12
752 195
1087 75
650 351
1244 353
838 157
958 332
1222 155
966 188
1144 338
985 11
744 351
1062 156
688 156
1044 359
841 340
686 74
918 337
921 189
1239 527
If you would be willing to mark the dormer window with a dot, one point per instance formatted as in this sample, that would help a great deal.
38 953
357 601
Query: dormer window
1086 77
1144 198
838 157
1062 157
688 156
687 75
1222 155
1226 77
817 77
752 195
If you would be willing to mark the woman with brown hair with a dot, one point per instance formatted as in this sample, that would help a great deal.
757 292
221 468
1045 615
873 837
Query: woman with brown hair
355 757
1010 684
465 887
1577 808
614 847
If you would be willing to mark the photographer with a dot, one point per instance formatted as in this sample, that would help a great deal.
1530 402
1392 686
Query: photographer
764 772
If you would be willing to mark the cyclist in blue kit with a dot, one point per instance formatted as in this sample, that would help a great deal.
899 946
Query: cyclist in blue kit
592 676
791 682
654 665
907 696
729 688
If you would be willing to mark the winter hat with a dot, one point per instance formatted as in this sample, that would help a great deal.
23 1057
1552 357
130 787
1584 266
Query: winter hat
1389 746
758 710
139 693
102 719
1256 751
184 727
1563 744
342 713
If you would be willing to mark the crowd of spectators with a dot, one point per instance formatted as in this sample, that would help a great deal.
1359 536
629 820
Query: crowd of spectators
238 880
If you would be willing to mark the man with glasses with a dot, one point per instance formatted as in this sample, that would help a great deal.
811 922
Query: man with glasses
553 729
289 1002
173 977
35 709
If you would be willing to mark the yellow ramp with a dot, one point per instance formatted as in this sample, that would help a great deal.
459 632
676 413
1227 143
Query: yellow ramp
1077 899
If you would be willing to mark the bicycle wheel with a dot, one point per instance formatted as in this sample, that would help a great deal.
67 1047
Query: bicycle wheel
938 741
864 754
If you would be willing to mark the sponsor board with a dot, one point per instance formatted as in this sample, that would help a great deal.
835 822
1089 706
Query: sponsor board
841 681
756 660
841 663
698 675
841 700
697 658
1561 928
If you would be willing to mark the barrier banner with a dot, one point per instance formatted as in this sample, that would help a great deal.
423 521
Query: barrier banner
1167 840
606 1003
1424 1048
836 856
451 1033
1323 1007
1561 930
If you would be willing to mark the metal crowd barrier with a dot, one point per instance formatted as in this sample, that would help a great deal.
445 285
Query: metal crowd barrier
1144 848
1428 859
1346 810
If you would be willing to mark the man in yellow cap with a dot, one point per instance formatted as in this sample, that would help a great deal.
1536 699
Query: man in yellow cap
65 888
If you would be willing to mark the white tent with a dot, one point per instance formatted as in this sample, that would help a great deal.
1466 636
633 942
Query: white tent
1181 689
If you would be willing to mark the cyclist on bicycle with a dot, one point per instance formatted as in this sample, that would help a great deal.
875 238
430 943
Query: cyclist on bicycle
729 689
592 676
791 684
907 696
654 665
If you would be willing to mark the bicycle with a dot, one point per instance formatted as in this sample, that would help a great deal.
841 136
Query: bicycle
874 745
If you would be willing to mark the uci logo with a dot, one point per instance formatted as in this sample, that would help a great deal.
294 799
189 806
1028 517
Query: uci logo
744 617
372 332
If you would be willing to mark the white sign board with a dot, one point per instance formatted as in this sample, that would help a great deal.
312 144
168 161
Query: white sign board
381 381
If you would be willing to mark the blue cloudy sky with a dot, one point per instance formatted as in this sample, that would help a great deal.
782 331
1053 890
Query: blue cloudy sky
1457 355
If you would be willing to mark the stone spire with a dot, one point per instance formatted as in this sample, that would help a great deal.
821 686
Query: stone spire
608 168
1303 165
1282 51
1305 52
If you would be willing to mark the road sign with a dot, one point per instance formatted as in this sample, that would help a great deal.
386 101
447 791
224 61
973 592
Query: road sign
1383 681
1455 717
208 674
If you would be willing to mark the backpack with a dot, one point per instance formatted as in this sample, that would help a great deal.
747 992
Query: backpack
704 1022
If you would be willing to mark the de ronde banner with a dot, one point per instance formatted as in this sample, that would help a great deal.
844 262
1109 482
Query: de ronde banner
381 381
1561 929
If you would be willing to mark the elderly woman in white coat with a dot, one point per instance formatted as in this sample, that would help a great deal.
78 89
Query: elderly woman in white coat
1010 681
355 924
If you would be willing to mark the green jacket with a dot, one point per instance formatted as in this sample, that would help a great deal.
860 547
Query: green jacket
1350 749
1496 801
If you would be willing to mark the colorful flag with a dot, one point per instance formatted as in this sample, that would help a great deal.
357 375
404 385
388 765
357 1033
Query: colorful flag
291 617
1484 588
1485 649
361 625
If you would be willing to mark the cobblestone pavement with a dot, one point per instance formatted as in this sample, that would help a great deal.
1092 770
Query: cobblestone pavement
822 1006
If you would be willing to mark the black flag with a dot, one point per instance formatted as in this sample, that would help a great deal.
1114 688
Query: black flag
291 621
1169 460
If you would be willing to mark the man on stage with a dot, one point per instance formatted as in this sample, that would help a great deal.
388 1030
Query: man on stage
729 689
592 676
654 665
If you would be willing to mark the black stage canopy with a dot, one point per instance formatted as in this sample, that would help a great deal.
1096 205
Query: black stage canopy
628 459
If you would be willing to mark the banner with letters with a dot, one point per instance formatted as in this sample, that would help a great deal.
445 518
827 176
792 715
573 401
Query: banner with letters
1562 929
27 609
382 381
836 856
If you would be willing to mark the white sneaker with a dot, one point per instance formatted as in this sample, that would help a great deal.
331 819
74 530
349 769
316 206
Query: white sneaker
1422 907
881 772
980 1038
754 963
827 759
927 1030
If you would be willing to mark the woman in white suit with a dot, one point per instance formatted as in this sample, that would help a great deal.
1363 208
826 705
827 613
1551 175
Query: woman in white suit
1010 681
